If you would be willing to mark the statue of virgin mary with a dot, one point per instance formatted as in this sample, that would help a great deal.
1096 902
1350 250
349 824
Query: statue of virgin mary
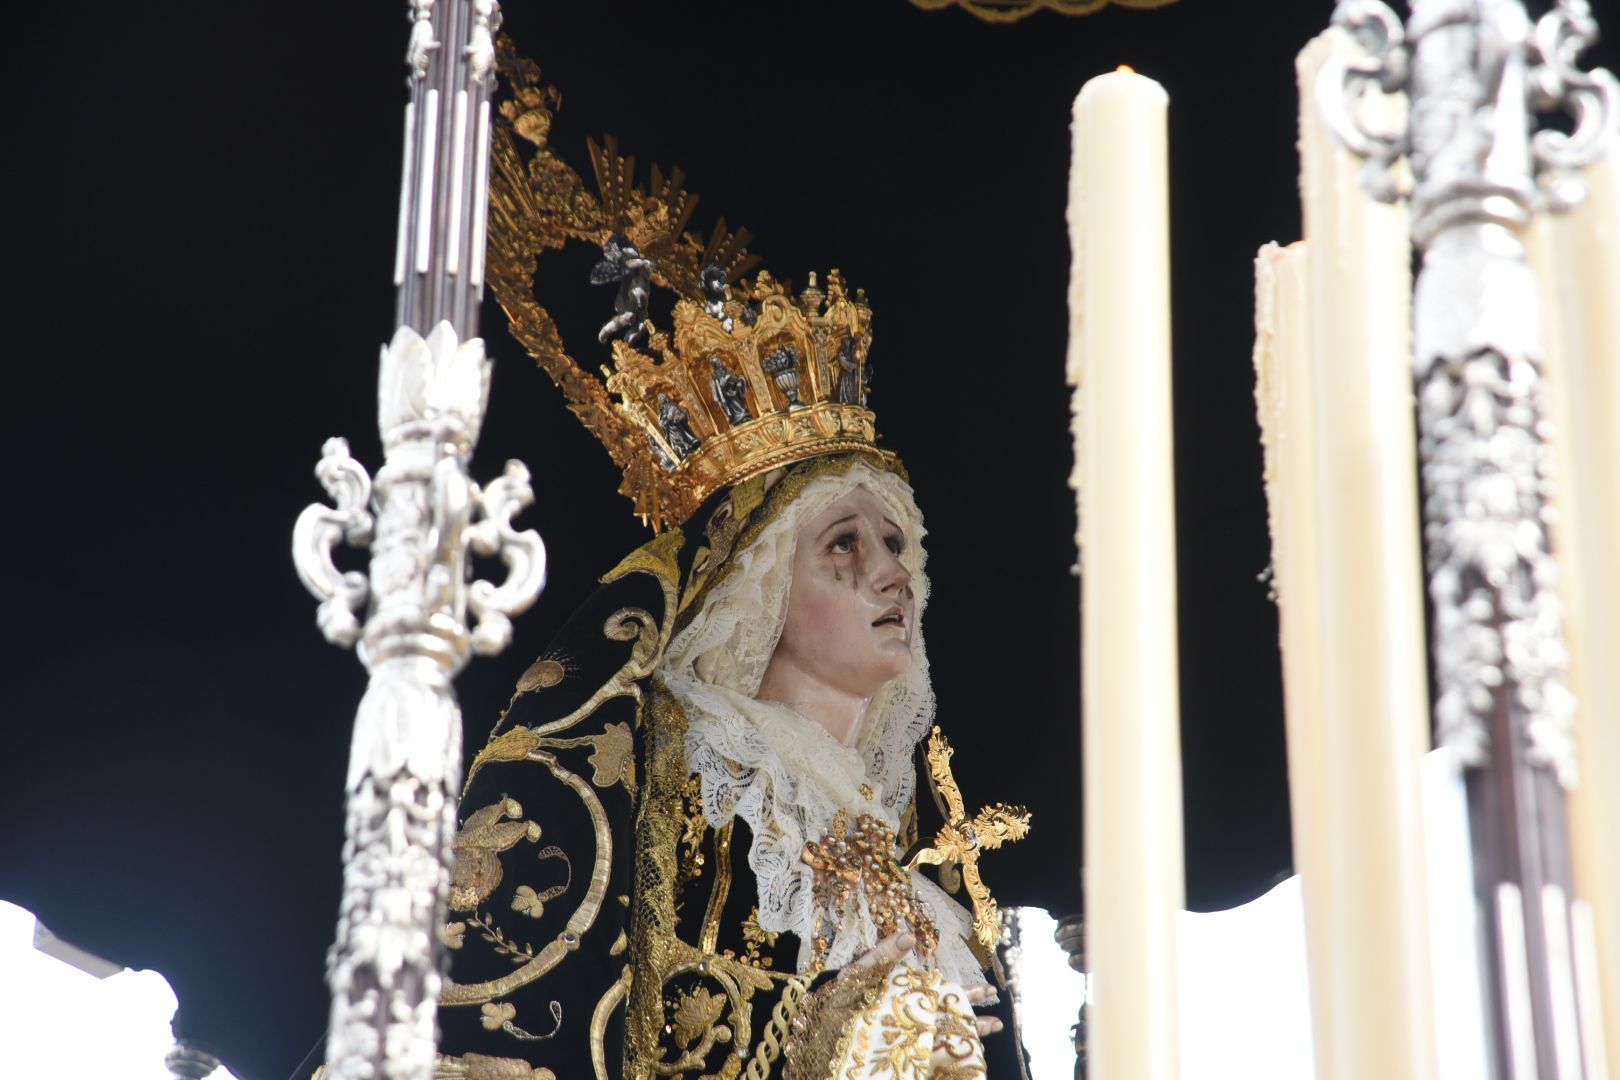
681 848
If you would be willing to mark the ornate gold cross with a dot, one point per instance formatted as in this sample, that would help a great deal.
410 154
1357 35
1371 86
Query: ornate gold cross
961 840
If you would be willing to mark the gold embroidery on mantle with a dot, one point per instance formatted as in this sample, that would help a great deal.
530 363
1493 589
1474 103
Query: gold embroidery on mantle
774 1035
756 939
710 938
543 674
480 1067
599 1021
696 1014
583 918
477 849
661 955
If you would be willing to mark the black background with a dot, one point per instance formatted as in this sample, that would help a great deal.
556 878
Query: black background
201 221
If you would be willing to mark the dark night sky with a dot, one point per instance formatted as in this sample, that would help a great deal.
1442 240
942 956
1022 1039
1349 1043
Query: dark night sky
202 226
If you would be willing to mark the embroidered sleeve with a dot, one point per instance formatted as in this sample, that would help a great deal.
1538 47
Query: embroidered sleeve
905 1024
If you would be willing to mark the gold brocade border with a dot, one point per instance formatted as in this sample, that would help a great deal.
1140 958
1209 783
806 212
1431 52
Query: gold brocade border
599 1022
710 939
660 953
1007 11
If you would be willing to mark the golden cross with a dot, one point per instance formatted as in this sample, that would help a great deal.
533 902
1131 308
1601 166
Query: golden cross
961 840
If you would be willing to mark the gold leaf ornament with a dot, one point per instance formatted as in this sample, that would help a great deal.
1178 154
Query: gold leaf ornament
696 1013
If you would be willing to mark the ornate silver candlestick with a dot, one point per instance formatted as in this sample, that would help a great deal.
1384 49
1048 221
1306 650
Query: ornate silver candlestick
420 519
1474 71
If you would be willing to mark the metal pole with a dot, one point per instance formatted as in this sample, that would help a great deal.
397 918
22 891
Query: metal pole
419 520
1474 70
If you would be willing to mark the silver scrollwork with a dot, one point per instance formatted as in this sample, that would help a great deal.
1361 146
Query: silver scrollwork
524 554
1591 97
1345 80
319 528
419 632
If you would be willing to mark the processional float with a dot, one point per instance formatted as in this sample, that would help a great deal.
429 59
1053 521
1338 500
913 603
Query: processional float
1442 111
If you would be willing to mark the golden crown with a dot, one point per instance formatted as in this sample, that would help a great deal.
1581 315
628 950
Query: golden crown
751 375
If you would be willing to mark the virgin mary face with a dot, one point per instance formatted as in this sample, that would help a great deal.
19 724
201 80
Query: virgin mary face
850 606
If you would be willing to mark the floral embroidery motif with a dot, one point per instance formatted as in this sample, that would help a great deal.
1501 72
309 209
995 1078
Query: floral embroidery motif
612 757
478 847
920 1027
452 934
695 1014
497 1014
528 902
756 939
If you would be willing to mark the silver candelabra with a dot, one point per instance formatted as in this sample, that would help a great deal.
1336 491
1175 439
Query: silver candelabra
1475 73
418 616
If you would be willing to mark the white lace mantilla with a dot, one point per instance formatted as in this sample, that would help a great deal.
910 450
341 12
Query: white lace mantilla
784 775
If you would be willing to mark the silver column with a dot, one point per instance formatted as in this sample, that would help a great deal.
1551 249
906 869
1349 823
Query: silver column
423 616
1474 72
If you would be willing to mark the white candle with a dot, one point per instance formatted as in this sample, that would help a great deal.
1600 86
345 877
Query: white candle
1375 721
1577 257
1283 398
1119 363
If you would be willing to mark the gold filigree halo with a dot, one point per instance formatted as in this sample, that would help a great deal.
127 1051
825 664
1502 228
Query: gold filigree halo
795 364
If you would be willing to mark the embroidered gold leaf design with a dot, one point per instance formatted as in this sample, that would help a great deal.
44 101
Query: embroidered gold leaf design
517 952
611 757
496 1014
477 849
543 674
452 934
513 745
756 938
696 1014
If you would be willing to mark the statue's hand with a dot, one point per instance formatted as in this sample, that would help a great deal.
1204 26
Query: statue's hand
978 995
882 956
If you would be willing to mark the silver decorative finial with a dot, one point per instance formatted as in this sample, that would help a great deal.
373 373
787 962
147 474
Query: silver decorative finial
1474 73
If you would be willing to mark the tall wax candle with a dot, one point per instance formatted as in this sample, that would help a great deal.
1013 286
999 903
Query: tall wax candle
1283 400
1375 720
1119 364
1577 261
